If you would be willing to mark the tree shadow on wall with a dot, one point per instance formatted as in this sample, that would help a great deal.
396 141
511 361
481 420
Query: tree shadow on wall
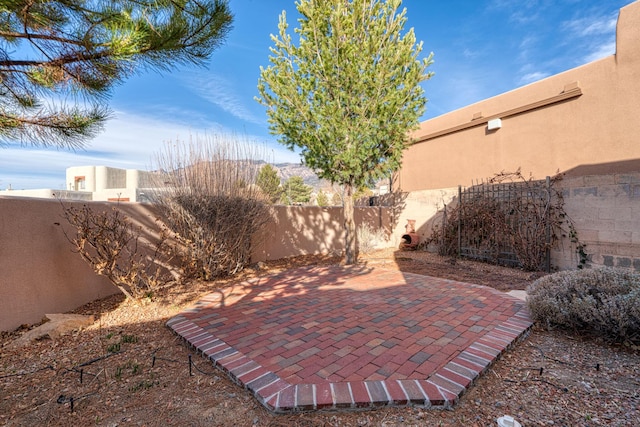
382 212
306 230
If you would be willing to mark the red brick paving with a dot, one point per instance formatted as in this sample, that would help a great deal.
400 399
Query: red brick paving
353 337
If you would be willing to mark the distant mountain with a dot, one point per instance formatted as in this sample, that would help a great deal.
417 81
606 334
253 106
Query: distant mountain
287 170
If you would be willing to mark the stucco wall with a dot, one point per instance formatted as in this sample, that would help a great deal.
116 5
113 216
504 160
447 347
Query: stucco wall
604 208
300 230
584 116
41 274
425 207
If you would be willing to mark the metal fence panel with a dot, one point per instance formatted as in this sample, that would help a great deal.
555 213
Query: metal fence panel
498 222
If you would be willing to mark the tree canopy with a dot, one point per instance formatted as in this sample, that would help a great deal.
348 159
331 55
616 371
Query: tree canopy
347 93
294 191
269 183
51 49
322 199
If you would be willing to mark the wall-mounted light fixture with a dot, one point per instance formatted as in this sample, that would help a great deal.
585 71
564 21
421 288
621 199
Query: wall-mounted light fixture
494 124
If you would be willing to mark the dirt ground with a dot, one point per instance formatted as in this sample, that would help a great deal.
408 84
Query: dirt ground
128 369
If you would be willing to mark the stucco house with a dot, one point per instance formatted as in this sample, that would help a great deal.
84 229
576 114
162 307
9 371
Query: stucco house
111 184
97 183
582 123
586 116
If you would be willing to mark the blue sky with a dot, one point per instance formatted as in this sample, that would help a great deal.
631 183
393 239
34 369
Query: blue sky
481 49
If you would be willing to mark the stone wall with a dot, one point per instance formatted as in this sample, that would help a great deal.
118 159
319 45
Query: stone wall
606 212
604 208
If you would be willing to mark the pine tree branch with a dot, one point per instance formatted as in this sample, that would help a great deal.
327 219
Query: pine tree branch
37 36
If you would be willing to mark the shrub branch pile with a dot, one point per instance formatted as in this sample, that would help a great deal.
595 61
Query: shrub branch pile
507 214
115 248
210 201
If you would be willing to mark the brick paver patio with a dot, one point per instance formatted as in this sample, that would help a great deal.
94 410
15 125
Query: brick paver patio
353 337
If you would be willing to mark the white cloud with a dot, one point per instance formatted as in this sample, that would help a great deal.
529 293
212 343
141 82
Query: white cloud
470 54
130 141
592 25
532 77
524 17
529 41
461 86
597 32
519 11
526 47
600 51
220 91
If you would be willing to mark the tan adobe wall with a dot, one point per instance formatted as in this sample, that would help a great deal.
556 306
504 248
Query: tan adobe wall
301 230
604 208
584 116
425 207
41 274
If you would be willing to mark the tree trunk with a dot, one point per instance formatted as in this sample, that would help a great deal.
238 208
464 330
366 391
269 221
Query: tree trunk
351 250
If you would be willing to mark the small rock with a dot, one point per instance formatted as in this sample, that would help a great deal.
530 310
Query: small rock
58 324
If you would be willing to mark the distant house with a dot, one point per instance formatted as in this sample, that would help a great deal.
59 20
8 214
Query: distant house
581 121
98 183
111 184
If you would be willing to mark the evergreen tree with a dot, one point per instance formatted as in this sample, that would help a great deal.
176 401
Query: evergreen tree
347 94
55 48
295 191
336 199
269 183
362 192
322 199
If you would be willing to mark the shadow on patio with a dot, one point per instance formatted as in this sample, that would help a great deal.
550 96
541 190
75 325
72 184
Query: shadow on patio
337 337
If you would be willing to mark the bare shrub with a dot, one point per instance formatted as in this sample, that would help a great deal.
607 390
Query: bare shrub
112 245
504 217
211 202
604 301
369 238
